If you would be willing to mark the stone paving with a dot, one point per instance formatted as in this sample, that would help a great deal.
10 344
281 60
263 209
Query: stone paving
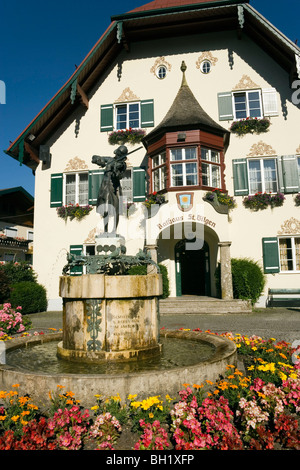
278 323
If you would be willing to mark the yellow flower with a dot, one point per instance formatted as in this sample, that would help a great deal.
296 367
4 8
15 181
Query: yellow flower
254 348
16 385
185 385
251 368
216 392
151 415
198 386
94 408
2 418
15 418
131 397
238 345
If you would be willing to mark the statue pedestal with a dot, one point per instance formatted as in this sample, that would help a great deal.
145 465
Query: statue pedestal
108 243
113 318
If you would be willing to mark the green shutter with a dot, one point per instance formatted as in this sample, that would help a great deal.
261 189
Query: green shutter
290 175
56 197
225 106
147 113
95 180
107 118
240 177
139 184
271 255
76 250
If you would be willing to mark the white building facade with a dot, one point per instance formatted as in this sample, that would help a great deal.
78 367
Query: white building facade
183 74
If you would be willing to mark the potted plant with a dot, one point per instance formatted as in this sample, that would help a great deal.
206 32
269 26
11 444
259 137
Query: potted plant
123 136
297 199
250 126
153 203
261 201
73 211
220 200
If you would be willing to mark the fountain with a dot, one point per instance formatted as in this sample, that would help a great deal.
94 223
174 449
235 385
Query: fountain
111 340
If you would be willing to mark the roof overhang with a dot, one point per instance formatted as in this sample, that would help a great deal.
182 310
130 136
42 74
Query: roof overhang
141 26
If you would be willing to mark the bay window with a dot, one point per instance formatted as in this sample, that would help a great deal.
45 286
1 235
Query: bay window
210 168
184 173
159 172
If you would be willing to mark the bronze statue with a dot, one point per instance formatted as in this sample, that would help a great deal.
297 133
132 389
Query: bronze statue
110 189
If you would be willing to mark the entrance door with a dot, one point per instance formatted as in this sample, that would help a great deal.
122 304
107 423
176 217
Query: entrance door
192 270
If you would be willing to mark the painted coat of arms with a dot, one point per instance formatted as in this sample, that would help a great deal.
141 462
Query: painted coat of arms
185 201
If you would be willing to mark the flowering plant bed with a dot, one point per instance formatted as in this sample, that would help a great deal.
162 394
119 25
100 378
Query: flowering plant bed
11 320
263 200
154 198
73 211
123 136
257 408
250 126
220 197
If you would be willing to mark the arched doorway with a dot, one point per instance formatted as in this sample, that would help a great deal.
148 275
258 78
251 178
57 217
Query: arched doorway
192 270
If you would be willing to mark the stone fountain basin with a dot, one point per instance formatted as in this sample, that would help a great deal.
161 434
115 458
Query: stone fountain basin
144 384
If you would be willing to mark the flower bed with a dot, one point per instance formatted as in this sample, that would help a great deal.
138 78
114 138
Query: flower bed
263 200
11 320
257 408
250 126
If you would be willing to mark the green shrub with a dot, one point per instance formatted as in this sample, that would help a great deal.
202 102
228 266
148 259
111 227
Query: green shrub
4 287
248 279
32 297
142 270
18 272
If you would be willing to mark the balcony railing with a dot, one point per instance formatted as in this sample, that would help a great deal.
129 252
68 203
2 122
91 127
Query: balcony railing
11 242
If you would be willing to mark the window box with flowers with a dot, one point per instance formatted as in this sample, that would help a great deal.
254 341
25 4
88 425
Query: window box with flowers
250 126
220 200
153 203
260 201
73 211
123 136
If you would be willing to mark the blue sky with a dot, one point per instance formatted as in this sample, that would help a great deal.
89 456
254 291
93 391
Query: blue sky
42 41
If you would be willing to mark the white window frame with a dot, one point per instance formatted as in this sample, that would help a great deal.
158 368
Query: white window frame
11 232
210 163
292 238
246 93
130 196
261 160
159 169
184 161
127 104
30 235
76 187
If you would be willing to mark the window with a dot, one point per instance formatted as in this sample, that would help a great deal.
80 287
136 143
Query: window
126 185
205 66
161 72
124 115
159 172
30 235
11 232
76 188
247 104
262 175
210 171
184 173
127 115
289 250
